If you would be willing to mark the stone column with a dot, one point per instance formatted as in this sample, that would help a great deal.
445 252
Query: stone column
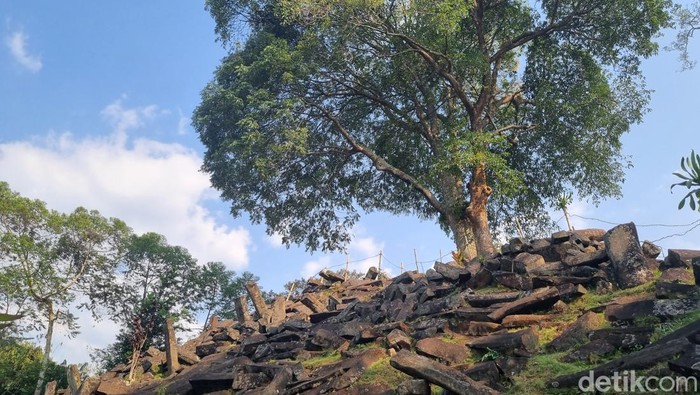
73 374
50 388
241 304
279 312
171 348
258 301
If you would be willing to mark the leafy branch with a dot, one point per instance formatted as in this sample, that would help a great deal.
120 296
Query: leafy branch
691 178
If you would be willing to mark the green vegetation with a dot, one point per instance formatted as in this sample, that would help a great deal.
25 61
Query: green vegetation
326 358
20 364
48 258
492 289
664 328
382 372
691 179
465 112
539 370
490 355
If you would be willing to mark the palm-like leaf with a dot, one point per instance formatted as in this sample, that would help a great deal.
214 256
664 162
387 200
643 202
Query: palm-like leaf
691 179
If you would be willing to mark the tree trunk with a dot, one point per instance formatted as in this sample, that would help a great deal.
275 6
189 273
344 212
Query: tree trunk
455 216
47 350
479 192
463 236
134 361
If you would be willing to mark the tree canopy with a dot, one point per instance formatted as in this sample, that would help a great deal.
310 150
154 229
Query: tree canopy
462 111
47 258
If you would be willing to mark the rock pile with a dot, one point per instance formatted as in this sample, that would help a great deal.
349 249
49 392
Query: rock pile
429 325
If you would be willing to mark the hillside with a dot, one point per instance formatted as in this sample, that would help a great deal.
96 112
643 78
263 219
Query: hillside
583 310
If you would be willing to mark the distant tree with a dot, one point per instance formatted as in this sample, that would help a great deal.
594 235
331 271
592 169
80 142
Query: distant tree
293 289
155 281
217 287
691 179
462 111
47 258
20 364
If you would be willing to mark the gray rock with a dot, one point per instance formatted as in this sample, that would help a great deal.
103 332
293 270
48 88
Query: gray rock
628 262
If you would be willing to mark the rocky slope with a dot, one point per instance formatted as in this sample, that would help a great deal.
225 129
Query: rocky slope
535 319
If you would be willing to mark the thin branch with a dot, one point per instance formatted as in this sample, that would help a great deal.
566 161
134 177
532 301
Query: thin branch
380 163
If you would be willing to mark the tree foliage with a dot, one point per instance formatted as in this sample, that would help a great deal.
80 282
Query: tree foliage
462 111
20 364
47 258
691 179
155 281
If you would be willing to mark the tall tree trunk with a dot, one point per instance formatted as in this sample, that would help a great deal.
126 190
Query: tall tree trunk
479 192
47 350
456 217
463 236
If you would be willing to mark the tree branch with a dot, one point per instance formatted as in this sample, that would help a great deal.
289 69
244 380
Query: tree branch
380 163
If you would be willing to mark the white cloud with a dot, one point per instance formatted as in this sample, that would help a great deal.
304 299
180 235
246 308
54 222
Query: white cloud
17 44
183 124
124 119
311 268
365 249
151 185
275 240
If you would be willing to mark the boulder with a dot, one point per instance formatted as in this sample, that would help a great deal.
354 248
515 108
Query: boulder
323 339
453 273
436 373
576 332
449 353
513 280
398 340
526 340
628 261
592 351
680 258
664 309
650 250
675 283
413 387
50 388
542 297
89 386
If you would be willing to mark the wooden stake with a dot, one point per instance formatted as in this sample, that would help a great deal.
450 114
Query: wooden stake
347 265
415 257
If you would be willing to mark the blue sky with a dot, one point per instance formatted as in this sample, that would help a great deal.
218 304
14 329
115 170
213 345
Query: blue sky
95 105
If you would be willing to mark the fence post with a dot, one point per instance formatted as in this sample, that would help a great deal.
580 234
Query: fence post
415 257
379 266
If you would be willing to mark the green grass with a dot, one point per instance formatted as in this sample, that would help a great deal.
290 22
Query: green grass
493 289
664 328
382 372
322 360
539 370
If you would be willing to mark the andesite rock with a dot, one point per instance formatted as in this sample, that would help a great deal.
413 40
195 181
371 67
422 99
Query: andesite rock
628 261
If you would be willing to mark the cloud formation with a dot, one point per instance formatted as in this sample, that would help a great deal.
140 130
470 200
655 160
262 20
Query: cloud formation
151 185
17 44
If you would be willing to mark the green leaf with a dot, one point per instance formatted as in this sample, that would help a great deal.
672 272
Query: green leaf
681 204
692 203
10 317
679 175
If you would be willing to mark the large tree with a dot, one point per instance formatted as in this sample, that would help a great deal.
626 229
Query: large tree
154 281
48 258
440 108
